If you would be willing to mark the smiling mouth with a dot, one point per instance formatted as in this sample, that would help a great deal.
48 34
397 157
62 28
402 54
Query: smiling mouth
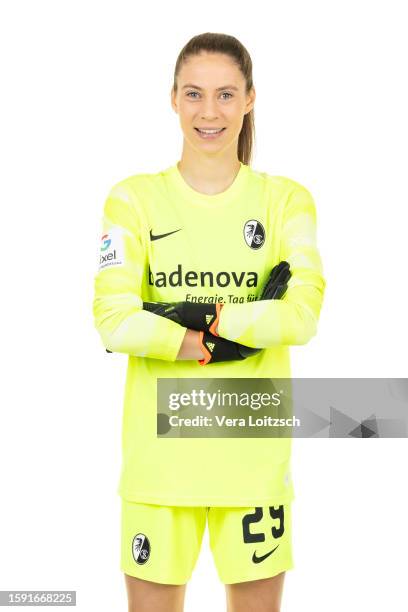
210 134
209 130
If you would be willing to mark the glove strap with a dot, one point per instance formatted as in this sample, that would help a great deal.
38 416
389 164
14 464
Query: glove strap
207 354
213 326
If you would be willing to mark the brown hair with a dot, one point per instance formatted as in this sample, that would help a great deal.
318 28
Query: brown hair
223 43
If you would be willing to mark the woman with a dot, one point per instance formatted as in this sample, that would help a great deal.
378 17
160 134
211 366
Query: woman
183 288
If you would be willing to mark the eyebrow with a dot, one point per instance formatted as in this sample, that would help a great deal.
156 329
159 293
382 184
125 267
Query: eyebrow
218 88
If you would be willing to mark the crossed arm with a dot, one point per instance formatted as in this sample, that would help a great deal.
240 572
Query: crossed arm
124 326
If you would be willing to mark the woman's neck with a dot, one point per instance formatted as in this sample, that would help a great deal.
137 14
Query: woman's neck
209 176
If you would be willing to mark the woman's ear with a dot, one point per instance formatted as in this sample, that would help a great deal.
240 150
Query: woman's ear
251 96
173 100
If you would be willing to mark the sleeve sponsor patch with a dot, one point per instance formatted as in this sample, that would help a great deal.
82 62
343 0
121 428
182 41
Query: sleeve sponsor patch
112 250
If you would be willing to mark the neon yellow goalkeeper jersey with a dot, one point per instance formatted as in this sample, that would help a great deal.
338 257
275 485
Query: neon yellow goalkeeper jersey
164 241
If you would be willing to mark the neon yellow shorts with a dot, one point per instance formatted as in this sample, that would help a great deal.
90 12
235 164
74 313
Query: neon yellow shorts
162 543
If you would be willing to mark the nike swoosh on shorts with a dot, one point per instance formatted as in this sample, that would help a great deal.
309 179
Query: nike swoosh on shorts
256 559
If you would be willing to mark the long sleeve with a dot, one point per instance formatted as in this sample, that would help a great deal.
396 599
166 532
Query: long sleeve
123 325
293 319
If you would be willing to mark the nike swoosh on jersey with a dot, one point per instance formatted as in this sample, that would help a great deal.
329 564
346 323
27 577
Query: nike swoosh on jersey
256 559
158 236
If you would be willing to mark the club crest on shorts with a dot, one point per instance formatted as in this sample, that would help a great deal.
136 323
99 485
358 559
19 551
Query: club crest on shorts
254 234
140 548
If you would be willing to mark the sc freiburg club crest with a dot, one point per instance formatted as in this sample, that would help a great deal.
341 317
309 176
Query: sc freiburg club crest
254 234
140 548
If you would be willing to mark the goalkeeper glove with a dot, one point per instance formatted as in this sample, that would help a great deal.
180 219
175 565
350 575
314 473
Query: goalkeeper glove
217 349
277 283
201 317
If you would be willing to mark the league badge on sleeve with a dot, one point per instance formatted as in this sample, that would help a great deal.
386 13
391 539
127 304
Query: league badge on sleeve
112 249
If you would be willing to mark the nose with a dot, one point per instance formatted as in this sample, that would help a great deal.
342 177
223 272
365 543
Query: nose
210 117
209 110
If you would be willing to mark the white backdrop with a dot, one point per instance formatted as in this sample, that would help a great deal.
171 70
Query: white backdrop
85 103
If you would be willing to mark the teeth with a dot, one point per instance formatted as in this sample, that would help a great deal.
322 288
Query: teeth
210 131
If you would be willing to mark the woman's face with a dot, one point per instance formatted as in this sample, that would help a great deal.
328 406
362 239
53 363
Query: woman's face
211 94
